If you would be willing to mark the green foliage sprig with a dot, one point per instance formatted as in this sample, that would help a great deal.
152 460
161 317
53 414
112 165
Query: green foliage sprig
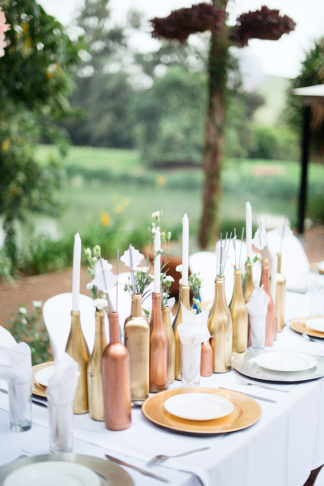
29 327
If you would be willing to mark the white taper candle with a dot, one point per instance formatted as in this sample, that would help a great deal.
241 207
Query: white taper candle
157 261
248 213
185 249
76 272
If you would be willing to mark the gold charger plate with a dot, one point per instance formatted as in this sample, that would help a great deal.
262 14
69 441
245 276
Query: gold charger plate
246 412
300 325
38 389
108 471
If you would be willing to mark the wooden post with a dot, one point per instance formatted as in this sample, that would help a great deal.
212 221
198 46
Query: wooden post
304 166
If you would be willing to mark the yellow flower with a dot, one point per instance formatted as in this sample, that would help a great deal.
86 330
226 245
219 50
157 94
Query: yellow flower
126 202
105 219
160 180
5 146
119 208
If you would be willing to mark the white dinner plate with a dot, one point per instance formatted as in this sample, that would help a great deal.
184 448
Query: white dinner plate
43 375
50 473
198 406
316 324
285 360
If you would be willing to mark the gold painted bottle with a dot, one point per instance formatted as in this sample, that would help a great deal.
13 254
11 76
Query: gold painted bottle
168 328
95 386
184 298
77 348
220 327
271 321
137 342
239 316
280 295
248 286
116 379
159 348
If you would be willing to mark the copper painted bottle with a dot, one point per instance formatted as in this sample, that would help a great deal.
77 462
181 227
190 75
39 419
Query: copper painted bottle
206 362
137 342
239 316
77 348
280 295
94 372
159 348
220 327
184 298
166 318
271 322
116 379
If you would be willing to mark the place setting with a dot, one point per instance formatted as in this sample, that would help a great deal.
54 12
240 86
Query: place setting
312 326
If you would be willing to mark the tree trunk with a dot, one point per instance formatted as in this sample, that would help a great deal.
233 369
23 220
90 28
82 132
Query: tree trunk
214 131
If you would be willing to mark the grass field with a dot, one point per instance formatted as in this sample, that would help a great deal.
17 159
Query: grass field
115 182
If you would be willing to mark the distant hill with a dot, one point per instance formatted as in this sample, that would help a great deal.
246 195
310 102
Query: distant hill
274 90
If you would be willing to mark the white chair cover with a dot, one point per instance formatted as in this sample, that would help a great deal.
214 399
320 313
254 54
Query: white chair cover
57 318
6 338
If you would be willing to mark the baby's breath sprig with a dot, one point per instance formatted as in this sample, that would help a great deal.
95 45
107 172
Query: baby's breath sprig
166 281
195 283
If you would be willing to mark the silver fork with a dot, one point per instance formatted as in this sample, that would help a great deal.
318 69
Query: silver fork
163 457
266 387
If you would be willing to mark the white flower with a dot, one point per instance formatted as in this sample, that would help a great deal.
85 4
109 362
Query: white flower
103 276
37 304
156 214
168 278
97 251
24 320
89 286
22 310
132 255
260 238
100 303
87 252
142 269
179 268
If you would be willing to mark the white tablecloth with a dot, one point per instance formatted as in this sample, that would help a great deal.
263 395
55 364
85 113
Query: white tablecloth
281 449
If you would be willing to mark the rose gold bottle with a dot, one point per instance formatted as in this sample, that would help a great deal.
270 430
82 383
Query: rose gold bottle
271 321
137 342
116 379
206 362
159 348
184 298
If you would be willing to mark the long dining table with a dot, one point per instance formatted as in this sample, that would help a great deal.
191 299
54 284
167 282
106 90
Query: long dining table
281 448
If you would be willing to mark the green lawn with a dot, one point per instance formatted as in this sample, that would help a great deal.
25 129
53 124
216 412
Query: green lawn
115 182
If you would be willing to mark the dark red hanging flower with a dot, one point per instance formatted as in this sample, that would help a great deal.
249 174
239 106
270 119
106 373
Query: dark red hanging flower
185 21
261 24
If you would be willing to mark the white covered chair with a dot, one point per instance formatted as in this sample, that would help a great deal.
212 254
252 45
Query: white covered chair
204 262
57 318
6 339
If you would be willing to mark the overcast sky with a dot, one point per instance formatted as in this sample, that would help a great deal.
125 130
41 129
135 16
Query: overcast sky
281 58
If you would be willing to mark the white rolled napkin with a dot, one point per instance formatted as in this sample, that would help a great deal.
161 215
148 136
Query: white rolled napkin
192 332
16 369
257 307
60 393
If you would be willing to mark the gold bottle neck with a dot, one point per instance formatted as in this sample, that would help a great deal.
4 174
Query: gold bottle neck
184 295
114 334
237 291
220 291
136 305
278 262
